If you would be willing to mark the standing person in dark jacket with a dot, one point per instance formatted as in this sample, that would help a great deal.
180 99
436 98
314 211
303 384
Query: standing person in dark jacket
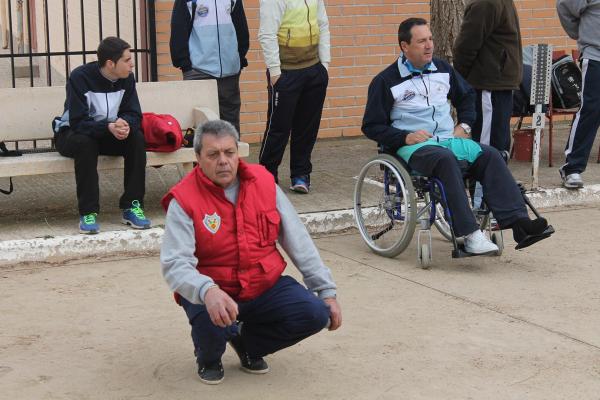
209 40
581 21
488 54
102 116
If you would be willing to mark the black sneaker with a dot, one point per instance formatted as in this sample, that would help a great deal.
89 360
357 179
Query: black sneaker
252 365
211 374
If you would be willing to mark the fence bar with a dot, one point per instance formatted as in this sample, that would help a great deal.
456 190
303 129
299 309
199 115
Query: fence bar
82 29
152 40
135 45
62 53
144 38
12 48
118 22
100 19
66 38
47 32
29 41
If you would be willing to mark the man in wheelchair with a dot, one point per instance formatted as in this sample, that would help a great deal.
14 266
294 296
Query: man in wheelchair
408 111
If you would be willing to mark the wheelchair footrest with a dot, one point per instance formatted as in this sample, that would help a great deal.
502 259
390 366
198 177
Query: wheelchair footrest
531 239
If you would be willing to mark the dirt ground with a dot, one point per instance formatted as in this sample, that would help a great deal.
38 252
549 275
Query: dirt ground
525 325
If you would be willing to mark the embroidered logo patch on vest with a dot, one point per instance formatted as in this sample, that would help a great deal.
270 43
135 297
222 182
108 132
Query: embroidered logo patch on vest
408 95
212 222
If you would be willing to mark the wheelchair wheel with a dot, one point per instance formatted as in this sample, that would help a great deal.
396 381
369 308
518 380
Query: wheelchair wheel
385 206
440 219
424 254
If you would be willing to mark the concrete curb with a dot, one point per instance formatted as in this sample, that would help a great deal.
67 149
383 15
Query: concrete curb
145 241
79 246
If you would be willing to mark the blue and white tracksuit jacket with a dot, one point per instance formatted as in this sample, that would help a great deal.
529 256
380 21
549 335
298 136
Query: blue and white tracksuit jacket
214 40
401 101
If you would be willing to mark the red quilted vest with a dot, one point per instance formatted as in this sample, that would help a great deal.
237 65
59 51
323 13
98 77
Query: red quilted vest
235 245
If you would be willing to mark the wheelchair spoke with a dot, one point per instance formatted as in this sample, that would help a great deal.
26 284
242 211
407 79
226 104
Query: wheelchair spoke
383 232
385 206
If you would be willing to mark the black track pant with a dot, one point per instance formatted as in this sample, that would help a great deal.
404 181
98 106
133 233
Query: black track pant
295 107
85 150
228 89
500 191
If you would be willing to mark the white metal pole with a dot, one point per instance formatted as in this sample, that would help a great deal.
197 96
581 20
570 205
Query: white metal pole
540 91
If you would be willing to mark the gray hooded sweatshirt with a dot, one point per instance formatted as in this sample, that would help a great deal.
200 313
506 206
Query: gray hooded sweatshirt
581 20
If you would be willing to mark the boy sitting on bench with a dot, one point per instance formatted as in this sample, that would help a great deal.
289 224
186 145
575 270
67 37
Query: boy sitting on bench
102 117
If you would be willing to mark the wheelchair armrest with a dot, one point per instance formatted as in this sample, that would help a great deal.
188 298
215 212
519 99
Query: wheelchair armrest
382 149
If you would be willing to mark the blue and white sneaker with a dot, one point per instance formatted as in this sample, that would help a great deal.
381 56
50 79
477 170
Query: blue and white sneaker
88 224
300 184
135 217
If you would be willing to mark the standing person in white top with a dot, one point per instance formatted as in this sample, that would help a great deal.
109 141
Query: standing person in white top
294 36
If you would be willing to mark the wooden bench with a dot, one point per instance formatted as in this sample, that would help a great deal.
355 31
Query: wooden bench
27 114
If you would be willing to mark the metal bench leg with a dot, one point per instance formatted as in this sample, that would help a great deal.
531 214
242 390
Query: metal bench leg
550 139
184 168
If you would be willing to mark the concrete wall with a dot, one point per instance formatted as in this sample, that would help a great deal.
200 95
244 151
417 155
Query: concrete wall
363 42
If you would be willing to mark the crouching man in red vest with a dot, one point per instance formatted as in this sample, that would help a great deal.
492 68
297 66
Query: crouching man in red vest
219 256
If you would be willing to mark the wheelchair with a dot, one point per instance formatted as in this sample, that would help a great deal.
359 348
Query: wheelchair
390 202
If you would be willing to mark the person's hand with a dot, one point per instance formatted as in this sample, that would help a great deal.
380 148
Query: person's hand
119 129
335 313
221 308
274 79
417 137
459 132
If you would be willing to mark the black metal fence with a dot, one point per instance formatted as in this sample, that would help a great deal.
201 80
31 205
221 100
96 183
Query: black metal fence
58 44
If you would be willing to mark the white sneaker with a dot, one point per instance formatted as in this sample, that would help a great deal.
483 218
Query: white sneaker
478 243
572 181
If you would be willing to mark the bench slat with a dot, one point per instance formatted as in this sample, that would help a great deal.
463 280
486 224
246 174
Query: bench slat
54 163
27 113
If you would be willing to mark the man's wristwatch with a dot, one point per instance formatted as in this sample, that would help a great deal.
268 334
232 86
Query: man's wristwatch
465 127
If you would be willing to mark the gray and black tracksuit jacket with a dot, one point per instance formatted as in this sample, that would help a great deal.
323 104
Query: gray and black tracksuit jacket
93 101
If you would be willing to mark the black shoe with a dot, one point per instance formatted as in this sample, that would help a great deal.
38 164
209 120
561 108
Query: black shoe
253 365
527 232
211 374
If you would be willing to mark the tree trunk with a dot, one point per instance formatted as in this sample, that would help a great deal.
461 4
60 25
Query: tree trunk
446 17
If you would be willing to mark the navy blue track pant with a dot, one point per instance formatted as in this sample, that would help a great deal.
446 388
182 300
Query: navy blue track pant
587 120
500 191
281 317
